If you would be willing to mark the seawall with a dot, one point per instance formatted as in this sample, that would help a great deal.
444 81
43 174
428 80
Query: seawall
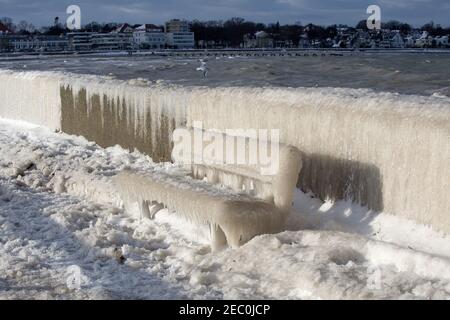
386 151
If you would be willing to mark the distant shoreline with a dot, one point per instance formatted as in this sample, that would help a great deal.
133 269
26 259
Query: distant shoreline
227 52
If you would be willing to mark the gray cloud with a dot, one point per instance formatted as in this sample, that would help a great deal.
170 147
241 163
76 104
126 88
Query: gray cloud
42 12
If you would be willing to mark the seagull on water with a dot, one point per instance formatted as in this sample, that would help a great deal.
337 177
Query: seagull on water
203 67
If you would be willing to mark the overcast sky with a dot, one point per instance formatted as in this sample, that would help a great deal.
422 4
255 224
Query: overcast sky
416 12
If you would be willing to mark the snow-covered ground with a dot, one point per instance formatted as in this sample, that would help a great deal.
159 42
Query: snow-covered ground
59 212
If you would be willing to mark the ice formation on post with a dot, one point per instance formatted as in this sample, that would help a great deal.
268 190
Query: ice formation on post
32 97
267 171
246 204
233 217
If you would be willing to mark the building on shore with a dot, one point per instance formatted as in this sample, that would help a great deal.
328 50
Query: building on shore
88 41
29 43
149 36
441 41
178 34
123 28
260 39
80 41
111 41
263 40
177 25
396 40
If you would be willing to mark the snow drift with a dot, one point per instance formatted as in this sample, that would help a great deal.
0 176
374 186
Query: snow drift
44 233
387 151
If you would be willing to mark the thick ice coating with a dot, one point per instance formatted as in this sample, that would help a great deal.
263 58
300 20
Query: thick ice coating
233 218
387 151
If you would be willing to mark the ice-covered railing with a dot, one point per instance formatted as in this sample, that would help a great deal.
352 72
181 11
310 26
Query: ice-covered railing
259 171
32 97
388 151
129 113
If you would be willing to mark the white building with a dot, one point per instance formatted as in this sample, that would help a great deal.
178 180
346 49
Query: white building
180 40
249 41
149 36
410 41
80 41
43 43
263 40
178 34
176 25
111 41
25 44
396 40
425 40
441 41
303 41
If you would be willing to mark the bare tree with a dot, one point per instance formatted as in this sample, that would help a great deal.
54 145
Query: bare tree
8 22
25 27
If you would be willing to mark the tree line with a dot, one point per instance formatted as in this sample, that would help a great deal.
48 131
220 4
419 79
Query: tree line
232 31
